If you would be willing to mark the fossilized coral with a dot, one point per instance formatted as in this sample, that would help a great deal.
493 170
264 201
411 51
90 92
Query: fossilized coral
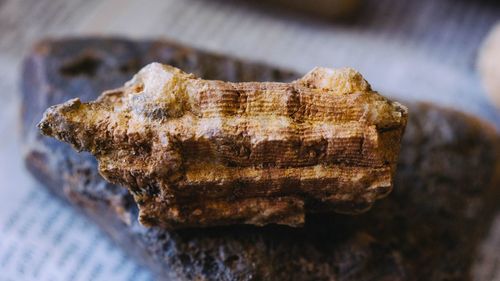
196 152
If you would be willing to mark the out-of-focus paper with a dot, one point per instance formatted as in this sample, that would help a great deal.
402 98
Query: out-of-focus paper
44 239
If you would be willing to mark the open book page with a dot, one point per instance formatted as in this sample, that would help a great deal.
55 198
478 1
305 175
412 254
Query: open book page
42 238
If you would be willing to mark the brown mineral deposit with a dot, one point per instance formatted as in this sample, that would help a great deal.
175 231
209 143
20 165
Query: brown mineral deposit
199 152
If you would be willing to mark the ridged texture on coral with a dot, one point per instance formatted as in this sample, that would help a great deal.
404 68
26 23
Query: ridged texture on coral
196 152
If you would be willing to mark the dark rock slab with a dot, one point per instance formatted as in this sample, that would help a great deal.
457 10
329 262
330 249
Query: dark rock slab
427 229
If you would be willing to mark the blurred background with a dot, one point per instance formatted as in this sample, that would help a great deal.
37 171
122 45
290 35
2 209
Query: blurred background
411 50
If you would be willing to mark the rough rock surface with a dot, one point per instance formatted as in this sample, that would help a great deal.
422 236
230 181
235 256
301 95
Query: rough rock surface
197 152
426 229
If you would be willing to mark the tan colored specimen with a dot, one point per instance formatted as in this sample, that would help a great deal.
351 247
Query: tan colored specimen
195 152
489 65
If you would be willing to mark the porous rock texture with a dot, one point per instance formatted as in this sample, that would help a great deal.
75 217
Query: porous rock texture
197 152
428 228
